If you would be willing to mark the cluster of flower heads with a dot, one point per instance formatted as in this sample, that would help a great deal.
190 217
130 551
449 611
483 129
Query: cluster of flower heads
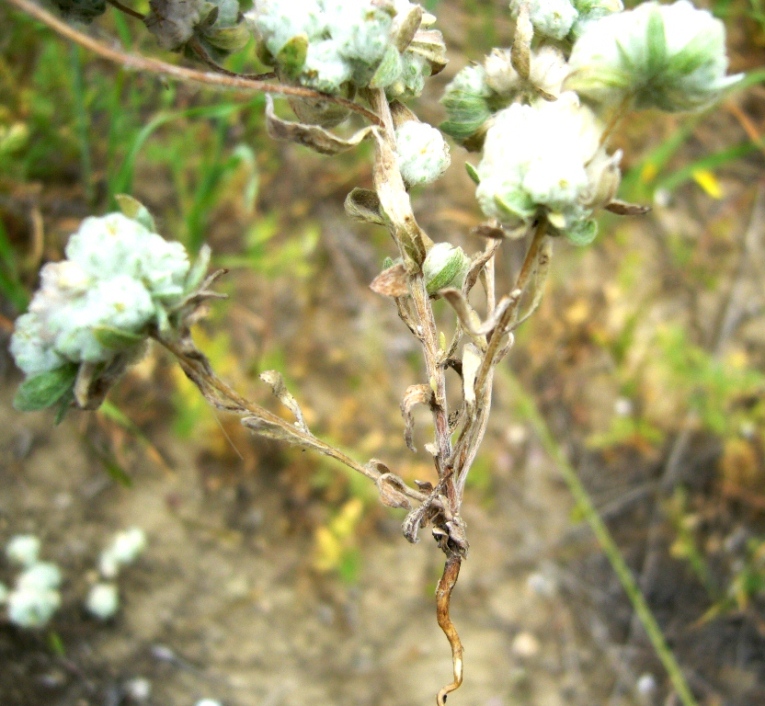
336 46
116 276
538 112
35 596
119 280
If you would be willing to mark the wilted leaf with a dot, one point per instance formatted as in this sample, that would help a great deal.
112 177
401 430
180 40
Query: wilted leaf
414 395
622 208
395 204
311 136
391 489
471 362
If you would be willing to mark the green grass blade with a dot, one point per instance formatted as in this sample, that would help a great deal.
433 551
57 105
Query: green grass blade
585 506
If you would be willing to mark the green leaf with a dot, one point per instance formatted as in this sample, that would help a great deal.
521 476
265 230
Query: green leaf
45 389
582 232
134 209
472 172
116 339
291 57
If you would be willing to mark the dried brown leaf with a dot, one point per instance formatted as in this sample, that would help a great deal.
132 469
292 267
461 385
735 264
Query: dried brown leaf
392 282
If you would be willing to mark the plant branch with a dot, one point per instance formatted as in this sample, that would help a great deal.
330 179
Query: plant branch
218 393
181 73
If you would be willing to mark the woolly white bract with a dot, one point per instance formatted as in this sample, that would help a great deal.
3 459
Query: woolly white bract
539 156
423 155
670 57
116 276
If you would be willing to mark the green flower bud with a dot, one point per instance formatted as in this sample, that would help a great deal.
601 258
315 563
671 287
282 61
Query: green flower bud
466 103
445 266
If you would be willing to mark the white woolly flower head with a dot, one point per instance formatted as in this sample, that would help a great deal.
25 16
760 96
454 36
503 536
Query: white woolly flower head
538 157
423 155
32 608
670 57
125 548
103 600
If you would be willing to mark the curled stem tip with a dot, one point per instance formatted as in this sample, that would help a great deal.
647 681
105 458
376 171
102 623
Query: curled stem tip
443 597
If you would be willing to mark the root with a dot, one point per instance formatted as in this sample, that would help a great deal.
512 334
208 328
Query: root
443 597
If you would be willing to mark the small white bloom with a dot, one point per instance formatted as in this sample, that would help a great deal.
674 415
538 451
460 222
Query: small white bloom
670 57
208 702
551 18
103 600
361 30
423 155
23 549
124 549
40 576
32 608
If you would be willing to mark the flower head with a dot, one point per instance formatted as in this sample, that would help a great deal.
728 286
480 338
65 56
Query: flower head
543 157
423 155
670 57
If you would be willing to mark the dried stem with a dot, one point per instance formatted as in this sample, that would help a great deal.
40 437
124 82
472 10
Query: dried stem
443 597
218 80
204 56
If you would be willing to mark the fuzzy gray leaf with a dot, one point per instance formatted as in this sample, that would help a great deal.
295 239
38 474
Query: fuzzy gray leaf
363 205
